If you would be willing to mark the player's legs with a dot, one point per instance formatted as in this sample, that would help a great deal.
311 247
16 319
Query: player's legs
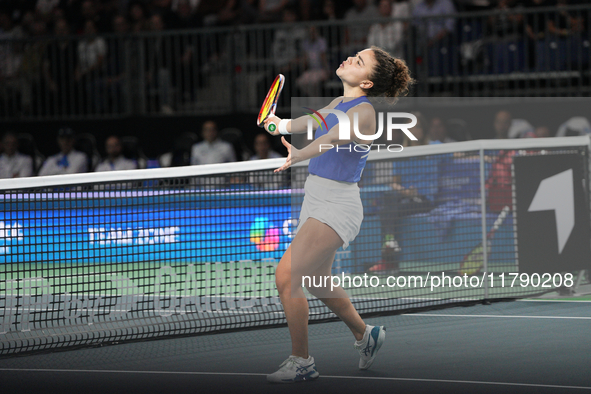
313 246
338 301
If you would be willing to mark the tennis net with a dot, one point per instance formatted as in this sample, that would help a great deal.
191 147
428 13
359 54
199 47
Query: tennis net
99 258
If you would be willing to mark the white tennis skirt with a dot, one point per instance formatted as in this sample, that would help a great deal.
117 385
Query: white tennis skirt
335 203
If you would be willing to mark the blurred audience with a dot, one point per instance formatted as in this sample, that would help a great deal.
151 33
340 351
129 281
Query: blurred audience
438 131
262 148
212 149
12 163
68 160
115 160
316 64
356 33
434 30
502 124
389 35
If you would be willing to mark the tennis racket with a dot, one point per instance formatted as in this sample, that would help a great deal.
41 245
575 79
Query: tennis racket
473 261
270 104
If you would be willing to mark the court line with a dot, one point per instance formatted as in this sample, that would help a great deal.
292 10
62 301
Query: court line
196 373
502 316
554 300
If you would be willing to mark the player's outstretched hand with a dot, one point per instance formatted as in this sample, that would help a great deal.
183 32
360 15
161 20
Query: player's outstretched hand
292 154
275 120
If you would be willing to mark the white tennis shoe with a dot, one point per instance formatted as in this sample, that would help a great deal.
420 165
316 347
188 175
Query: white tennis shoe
368 347
295 369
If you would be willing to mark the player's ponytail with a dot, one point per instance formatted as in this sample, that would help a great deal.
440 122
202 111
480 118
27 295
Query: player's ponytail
390 76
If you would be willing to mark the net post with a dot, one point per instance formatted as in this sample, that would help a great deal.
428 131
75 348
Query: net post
483 223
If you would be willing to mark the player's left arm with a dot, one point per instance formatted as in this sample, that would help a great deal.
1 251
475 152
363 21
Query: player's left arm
367 126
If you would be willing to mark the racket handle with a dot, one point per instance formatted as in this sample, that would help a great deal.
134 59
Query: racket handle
271 127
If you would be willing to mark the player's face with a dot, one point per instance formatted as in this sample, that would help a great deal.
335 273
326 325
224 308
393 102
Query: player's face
357 69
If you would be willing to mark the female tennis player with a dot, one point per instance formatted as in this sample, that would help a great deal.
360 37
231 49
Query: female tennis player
332 213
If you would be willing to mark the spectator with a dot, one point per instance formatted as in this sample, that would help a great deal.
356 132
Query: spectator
262 148
287 44
328 11
137 17
212 149
164 9
249 12
438 131
159 53
12 163
92 51
69 160
58 65
357 16
271 10
390 35
506 25
287 49
577 125
502 124
184 16
119 51
564 23
115 161
536 22
10 62
434 30
310 82
542 132
419 131
89 12
31 68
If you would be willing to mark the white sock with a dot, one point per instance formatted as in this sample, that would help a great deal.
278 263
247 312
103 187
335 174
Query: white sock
365 335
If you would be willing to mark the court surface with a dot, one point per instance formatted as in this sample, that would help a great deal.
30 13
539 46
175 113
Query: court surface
529 346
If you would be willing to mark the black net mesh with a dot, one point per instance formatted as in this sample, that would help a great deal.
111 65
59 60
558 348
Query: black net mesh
108 261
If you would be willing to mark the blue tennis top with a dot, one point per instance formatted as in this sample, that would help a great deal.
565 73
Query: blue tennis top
345 164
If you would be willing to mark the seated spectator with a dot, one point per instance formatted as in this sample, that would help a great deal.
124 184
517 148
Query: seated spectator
286 47
542 132
564 23
390 35
357 16
262 148
506 25
58 62
419 131
536 22
138 17
434 30
119 51
69 160
270 10
92 50
438 131
115 160
502 124
577 125
12 163
310 82
212 149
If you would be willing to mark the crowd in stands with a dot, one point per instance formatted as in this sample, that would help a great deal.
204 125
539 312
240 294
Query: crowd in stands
60 77
78 152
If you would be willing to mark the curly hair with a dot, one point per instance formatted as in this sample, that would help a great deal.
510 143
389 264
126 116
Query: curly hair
390 76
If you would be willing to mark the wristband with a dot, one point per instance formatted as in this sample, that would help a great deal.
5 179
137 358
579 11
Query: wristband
283 126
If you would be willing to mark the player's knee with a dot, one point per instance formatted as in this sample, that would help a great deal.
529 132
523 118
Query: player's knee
282 279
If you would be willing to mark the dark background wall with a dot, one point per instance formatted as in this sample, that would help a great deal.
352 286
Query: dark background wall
157 133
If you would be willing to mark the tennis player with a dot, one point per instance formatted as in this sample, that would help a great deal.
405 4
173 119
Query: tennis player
332 213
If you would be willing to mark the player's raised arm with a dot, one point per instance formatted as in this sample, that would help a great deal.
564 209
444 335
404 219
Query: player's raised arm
295 126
